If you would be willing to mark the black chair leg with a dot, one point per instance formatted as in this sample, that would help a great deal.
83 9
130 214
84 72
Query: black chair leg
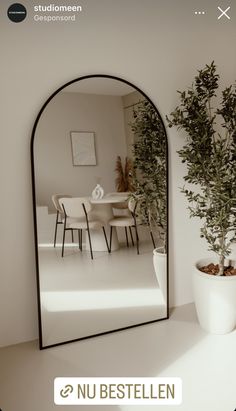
131 235
137 237
72 235
81 239
126 234
153 242
106 240
63 242
110 236
90 244
55 234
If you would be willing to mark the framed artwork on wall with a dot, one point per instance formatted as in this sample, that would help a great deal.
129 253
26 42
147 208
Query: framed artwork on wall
83 148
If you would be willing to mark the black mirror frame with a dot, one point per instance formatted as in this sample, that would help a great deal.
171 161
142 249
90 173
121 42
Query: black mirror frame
41 347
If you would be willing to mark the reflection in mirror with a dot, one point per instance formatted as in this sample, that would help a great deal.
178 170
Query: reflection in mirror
100 197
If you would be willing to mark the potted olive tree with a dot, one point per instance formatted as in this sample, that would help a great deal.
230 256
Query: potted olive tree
150 180
209 154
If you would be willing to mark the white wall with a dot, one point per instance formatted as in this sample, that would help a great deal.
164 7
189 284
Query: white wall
67 112
158 45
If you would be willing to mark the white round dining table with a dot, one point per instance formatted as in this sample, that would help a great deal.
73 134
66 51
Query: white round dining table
103 210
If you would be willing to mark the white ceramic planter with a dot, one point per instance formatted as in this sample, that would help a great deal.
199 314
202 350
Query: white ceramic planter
215 299
160 266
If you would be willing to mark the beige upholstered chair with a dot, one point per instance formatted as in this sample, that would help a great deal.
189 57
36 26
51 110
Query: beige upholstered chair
60 213
76 211
127 221
121 210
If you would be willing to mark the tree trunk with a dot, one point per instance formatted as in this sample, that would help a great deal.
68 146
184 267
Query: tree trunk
221 265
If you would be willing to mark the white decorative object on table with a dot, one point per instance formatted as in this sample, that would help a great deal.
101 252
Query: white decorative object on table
98 192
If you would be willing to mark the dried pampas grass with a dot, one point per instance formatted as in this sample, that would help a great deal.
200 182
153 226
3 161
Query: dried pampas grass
124 179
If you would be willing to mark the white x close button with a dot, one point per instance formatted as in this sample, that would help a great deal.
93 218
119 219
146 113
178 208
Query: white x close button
223 13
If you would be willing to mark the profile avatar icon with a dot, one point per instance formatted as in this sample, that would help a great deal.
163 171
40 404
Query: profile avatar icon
17 12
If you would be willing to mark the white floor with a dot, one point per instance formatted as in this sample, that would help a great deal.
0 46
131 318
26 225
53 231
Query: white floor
177 347
81 297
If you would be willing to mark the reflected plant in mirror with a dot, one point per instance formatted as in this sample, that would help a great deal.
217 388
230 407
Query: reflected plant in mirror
94 253
150 182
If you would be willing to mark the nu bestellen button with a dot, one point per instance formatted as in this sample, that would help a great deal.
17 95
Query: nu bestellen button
114 391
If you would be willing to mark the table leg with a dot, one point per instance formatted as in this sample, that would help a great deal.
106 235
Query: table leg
104 213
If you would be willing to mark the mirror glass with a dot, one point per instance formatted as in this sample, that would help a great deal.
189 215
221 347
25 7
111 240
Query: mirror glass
99 158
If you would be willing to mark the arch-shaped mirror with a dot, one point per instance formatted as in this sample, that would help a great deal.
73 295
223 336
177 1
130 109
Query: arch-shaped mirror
99 166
